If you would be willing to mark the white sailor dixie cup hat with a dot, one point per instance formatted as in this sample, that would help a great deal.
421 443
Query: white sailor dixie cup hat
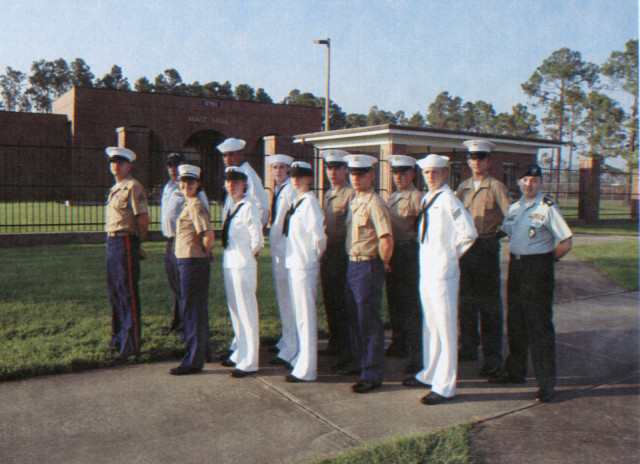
401 162
120 153
231 173
230 145
334 157
188 172
284 159
478 148
433 161
360 163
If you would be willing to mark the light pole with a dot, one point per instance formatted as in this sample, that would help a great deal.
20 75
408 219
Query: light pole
326 42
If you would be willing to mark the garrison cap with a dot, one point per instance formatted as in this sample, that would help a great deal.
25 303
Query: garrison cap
120 153
334 158
188 172
359 164
433 161
301 169
231 173
230 145
284 159
533 170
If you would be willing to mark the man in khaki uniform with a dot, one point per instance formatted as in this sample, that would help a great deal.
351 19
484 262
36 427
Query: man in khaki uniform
127 222
403 297
369 245
487 201
333 265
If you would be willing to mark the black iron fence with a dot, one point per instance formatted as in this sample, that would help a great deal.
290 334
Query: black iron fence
59 189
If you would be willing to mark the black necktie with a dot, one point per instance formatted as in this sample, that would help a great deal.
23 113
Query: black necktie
287 217
274 202
425 216
227 224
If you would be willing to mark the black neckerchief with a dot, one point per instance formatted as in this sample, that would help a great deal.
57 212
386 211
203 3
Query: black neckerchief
425 216
274 202
287 217
227 224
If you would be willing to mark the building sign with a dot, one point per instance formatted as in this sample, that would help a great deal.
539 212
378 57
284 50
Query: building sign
214 104
207 119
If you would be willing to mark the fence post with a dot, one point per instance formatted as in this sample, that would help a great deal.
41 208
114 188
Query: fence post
589 198
137 139
635 194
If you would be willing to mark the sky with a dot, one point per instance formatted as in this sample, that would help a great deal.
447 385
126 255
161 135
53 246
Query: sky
397 55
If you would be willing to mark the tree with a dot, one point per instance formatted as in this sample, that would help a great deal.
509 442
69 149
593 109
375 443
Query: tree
601 126
244 92
337 117
356 120
113 80
169 82
520 123
564 71
417 120
445 112
298 98
262 96
143 85
377 117
12 85
622 70
48 80
216 90
81 75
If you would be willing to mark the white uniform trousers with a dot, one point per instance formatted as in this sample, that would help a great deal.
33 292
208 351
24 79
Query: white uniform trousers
240 286
288 343
304 288
439 299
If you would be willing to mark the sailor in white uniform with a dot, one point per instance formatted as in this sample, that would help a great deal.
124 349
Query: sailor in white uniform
241 240
283 197
306 241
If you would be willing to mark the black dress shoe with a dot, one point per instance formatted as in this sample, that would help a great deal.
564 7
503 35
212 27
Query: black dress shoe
364 386
544 396
278 362
184 370
227 363
412 368
489 371
293 379
505 378
433 398
238 374
414 383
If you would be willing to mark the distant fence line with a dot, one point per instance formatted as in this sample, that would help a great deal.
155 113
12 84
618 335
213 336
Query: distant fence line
39 192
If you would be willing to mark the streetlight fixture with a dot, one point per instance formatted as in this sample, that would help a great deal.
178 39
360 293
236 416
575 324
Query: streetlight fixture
326 42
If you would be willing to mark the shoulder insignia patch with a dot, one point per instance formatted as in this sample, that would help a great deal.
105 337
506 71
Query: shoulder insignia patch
548 201
456 214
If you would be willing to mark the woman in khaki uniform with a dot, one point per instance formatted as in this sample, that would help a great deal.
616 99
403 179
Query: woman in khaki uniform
194 241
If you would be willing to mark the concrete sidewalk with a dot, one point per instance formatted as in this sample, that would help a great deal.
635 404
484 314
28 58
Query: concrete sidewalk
141 414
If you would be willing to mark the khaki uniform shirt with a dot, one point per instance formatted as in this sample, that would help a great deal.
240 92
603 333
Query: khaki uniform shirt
404 208
192 222
368 220
336 206
488 205
127 199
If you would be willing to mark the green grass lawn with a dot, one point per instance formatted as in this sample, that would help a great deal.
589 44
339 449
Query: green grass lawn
627 229
619 260
55 314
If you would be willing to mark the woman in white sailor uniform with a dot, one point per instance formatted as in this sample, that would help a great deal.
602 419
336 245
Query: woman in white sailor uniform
241 240
283 197
193 244
306 241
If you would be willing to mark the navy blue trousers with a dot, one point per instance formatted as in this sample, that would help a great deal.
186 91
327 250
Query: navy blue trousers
480 296
403 300
123 272
364 293
173 276
333 275
194 292
530 318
